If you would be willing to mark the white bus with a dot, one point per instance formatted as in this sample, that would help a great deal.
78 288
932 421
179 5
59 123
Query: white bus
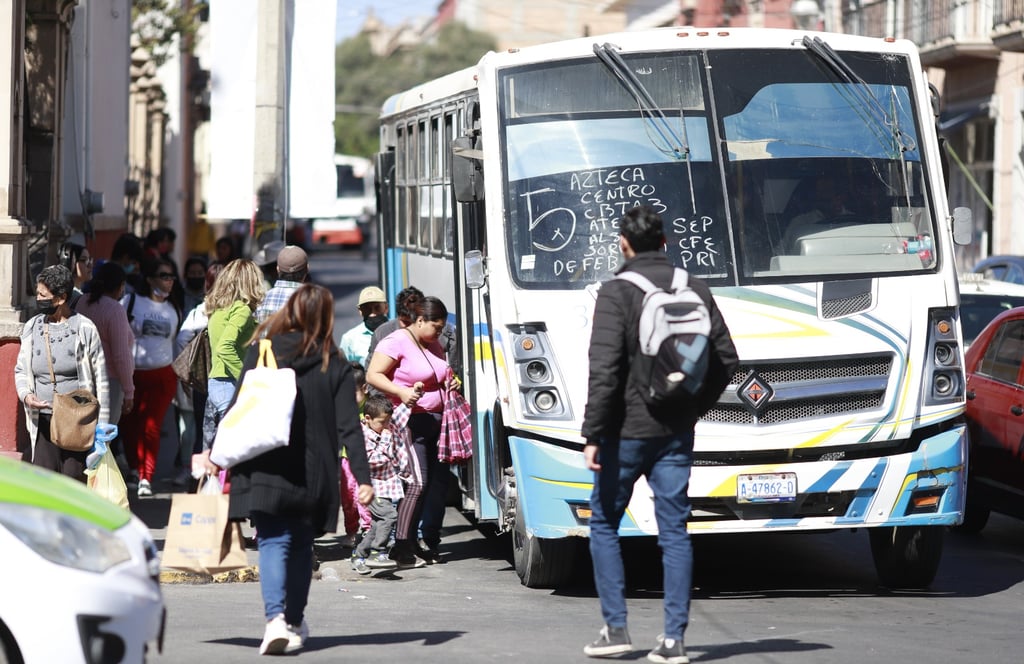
799 174
355 206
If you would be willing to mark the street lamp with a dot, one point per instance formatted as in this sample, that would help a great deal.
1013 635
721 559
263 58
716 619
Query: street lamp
806 14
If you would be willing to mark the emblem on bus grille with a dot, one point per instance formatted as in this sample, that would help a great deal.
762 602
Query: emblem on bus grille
755 392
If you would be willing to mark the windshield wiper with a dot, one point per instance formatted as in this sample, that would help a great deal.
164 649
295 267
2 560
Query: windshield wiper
862 90
680 146
889 121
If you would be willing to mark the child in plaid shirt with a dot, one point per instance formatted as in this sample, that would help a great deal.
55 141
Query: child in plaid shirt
386 435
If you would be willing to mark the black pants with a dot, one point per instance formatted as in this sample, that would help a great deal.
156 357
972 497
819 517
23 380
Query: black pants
49 456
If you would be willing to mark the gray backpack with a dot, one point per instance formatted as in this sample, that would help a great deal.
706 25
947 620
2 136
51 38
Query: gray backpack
673 331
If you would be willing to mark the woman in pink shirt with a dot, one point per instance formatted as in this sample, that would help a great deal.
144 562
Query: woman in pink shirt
101 305
402 359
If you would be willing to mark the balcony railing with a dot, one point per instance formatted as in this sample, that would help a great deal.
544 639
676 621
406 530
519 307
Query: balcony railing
1008 24
947 31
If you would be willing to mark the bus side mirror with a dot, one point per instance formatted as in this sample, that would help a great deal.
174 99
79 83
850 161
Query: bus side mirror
963 226
467 170
474 263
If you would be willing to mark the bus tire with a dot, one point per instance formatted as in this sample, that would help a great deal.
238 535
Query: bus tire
908 556
541 563
975 517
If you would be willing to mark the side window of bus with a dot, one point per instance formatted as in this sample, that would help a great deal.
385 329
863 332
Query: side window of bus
401 177
413 210
446 241
423 186
436 189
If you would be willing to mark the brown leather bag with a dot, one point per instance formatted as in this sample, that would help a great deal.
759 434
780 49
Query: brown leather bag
75 414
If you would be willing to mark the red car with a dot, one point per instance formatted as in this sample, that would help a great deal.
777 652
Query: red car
995 419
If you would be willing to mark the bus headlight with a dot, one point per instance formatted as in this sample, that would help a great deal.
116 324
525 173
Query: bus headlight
545 401
944 355
537 371
944 360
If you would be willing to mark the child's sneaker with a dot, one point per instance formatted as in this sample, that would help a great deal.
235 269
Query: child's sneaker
610 641
669 651
379 560
359 565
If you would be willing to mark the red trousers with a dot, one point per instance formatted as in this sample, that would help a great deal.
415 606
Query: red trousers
140 429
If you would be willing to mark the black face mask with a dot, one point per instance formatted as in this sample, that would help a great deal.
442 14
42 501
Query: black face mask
195 284
373 321
46 307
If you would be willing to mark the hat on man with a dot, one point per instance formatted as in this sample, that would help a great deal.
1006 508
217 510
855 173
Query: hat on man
268 254
371 294
291 259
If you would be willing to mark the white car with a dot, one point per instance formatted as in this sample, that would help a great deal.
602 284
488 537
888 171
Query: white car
78 574
982 299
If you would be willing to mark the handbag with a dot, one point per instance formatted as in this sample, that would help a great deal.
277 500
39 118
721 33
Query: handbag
455 444
200 538
75 414
192 365
260 420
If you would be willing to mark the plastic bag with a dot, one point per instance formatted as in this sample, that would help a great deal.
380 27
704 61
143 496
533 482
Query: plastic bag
106 480
105 433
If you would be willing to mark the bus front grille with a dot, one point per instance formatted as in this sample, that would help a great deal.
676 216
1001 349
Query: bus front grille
803 390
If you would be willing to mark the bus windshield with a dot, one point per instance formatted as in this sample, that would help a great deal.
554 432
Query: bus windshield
803 174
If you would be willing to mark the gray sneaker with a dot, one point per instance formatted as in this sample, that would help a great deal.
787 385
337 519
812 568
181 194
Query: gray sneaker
669 651
610 641
380 560
359 565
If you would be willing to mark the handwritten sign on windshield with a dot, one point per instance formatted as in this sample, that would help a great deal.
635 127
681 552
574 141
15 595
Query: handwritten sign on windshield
565 226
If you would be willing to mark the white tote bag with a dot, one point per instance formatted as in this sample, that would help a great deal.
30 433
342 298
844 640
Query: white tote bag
261 417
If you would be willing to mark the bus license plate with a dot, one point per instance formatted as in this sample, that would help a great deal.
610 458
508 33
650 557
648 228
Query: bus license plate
766 488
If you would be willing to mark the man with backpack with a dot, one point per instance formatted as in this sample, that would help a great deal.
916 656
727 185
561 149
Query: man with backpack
660 356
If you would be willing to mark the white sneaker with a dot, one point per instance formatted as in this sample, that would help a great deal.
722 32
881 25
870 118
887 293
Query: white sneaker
297 637
145 489
275 637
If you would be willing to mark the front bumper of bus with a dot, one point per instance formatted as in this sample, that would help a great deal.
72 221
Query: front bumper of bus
918 488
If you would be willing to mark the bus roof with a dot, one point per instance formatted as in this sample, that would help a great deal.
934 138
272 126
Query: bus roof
656 39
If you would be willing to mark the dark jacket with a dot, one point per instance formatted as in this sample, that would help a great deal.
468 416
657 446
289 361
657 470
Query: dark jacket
615 407
302 478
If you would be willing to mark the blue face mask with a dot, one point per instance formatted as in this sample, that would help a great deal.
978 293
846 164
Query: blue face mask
130 268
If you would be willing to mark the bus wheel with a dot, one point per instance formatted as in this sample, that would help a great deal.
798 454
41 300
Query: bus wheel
906 557
975 517
541 563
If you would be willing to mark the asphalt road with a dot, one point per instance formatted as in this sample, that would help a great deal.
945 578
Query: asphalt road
759 599
765 598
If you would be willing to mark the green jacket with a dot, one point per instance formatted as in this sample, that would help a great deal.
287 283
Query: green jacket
230 330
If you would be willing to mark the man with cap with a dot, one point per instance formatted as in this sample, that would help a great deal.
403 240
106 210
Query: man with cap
292 271
373 307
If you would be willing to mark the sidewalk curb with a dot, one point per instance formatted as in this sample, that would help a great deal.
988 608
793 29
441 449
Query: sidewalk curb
248 574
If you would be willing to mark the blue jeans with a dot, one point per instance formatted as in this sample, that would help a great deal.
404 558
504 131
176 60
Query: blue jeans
666 464
219 393
286 564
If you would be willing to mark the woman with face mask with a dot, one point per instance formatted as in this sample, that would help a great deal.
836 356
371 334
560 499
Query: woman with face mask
154 321
195 283
59 337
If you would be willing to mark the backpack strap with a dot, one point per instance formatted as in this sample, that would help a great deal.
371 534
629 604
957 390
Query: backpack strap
638 280
680 278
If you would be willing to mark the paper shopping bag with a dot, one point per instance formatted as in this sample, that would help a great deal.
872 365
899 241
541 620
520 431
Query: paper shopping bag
199 536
